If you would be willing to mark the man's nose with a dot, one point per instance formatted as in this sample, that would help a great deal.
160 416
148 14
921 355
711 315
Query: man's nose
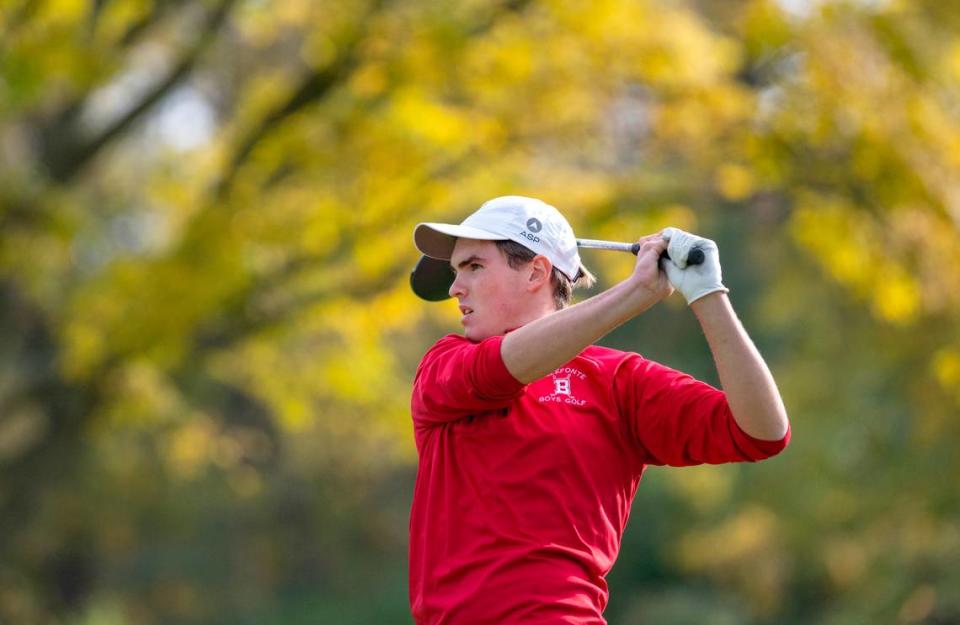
456 287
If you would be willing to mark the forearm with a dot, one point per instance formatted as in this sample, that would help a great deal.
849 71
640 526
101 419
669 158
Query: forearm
539 347
750 388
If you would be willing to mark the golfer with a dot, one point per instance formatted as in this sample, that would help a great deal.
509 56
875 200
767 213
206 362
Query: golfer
532 440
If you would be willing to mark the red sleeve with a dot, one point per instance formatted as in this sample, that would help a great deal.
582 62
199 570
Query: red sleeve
458 378
680 421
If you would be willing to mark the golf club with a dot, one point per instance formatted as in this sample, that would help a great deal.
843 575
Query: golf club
431 278
694 257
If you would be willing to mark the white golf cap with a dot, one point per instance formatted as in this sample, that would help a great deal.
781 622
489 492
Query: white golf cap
528 221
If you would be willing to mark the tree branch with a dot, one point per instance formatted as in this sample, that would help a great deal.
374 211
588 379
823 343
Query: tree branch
318 84
16 17
313 87
66 152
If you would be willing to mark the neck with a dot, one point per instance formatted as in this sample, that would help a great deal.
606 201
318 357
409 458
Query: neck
538 311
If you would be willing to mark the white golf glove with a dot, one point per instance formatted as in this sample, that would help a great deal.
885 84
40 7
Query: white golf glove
693 281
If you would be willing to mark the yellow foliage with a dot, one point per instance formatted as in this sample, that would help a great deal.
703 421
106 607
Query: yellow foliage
190 446
852 249
369 80
846 560
575 192
614 20
946 368
245 481
429 120
896 297
116 17
701 57
511 53
698 118
748 533
288 13
836 507
264 23
355 375
734 182
745 552
293 412
86 345
951 61
63 10
703 488
142 396
919 605
320 50
396 309
262 93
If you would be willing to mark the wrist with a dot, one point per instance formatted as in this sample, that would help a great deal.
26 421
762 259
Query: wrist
639 295
710 303
702 292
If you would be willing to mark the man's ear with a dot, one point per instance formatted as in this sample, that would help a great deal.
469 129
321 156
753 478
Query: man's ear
540 270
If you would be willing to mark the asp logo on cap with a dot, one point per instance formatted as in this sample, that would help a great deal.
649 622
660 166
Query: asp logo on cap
534 225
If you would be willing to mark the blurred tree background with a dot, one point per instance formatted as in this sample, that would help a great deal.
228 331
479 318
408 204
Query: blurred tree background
207 339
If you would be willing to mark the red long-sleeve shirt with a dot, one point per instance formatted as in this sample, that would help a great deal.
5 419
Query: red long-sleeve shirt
523 491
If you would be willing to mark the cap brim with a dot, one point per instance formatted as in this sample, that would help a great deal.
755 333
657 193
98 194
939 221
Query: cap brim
437 240
431 279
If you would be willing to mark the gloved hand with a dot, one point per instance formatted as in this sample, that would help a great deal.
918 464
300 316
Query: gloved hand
693 281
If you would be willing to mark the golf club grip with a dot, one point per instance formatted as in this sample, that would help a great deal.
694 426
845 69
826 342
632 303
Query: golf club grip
694 256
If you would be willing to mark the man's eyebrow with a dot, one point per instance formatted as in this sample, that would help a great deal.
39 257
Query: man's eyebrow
463 263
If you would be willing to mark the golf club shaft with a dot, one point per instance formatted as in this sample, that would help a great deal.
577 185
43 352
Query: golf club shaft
633 248
695 257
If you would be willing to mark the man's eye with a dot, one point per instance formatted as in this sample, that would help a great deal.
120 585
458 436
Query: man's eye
474 266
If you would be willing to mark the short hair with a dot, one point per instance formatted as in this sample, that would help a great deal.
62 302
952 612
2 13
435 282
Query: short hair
518 255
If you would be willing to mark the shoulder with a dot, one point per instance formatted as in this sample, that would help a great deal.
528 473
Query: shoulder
615 362
458 341
607 356
442 346
458 346
607 359
449 341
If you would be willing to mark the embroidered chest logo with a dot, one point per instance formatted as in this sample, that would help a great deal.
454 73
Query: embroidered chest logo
564 380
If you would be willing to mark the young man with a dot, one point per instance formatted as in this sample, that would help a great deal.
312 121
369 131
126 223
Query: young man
531 440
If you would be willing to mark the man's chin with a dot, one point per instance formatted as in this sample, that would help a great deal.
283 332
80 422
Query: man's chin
476 334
